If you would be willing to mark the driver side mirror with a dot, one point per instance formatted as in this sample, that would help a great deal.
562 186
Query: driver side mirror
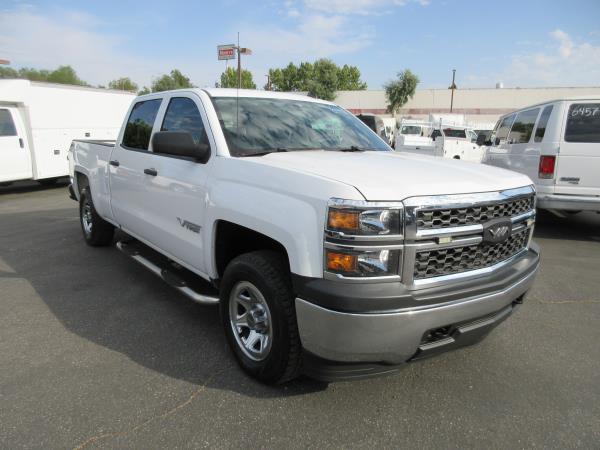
180 143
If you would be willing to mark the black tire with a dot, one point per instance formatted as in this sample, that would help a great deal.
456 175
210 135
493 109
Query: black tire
97 232
268 272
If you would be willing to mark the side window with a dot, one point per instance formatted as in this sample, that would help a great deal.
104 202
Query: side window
7 126
183 115
504 128
583 123
543 123
522 129
139 125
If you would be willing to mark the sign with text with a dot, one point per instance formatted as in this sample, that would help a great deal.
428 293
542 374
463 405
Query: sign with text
226 51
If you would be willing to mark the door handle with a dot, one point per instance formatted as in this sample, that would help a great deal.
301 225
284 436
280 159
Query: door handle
151 171
114 162
21 143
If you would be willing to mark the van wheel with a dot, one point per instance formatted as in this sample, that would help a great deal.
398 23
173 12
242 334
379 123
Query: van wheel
456 157
259 317
97 232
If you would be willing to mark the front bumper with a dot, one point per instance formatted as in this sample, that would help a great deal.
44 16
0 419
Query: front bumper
568 202
359 344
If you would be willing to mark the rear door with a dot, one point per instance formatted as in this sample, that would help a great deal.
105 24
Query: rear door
578 166
129 159
15 159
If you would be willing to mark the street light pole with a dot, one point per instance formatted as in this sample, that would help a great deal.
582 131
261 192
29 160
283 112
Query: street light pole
452 88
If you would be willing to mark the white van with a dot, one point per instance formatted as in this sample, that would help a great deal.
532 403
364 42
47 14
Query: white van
38 122
557 144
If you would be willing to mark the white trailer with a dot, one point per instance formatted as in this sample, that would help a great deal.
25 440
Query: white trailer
38 122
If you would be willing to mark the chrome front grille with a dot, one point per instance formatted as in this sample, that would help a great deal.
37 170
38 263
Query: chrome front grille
445 261
444 234
454 217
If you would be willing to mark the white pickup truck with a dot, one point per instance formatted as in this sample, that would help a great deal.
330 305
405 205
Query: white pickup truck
328 253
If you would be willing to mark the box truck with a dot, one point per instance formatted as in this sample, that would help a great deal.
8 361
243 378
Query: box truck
38 122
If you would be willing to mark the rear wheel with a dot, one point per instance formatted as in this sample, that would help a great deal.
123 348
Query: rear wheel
97 232
258 314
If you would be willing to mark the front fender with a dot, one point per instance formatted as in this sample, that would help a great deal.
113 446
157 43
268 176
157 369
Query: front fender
283 204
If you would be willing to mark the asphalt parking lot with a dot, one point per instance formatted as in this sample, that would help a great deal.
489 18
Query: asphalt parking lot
96 352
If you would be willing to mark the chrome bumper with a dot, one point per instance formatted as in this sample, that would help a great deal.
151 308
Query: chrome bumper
568 202
395 337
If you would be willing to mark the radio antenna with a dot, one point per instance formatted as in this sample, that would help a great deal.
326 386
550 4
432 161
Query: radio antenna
237 97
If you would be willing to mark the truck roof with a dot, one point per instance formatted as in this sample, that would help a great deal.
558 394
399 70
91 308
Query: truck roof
247 93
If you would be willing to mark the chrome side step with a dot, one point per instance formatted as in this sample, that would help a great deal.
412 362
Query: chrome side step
169 277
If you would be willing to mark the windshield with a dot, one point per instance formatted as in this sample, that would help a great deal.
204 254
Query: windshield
454 133
410 129
257 125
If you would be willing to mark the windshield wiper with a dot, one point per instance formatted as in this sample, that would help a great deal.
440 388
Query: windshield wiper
277 150
352 148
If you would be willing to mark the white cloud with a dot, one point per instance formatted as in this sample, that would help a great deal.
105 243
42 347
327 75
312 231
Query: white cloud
563 61
358 7
30 38
311 37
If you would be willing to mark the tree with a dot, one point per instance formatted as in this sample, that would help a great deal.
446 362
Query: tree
321 79
176 80
229 79
65 75
123 84
145 90
397 92
8 72
62 75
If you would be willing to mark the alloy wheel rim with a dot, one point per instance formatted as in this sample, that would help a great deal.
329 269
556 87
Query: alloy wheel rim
250 320
86 217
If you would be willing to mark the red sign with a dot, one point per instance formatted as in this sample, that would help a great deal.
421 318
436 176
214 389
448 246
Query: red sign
226 52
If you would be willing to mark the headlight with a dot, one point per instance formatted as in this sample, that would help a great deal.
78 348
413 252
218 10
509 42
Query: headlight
351 219
378 263
363 239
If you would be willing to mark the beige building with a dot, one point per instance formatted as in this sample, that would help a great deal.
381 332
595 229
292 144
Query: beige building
480 106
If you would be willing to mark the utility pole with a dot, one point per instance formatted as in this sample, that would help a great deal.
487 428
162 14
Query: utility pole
268 82
452 88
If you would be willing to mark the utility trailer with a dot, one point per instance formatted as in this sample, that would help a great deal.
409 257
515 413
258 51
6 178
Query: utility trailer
38 122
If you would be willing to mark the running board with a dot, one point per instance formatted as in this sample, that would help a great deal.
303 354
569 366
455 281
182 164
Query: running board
168 276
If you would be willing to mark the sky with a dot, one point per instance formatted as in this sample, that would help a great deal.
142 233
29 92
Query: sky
524 43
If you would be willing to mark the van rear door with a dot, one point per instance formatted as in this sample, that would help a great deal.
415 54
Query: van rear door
15 160
578 165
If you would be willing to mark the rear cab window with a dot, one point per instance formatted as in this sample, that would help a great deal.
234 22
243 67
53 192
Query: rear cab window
583 123
139 125
7 125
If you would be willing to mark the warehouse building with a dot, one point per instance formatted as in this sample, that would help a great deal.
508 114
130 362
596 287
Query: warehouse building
481 106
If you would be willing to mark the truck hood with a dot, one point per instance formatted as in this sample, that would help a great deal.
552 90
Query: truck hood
393 176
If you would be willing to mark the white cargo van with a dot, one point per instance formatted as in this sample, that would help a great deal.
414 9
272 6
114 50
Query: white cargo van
557 144
38 122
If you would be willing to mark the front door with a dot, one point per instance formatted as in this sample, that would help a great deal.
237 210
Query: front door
177 194
15 159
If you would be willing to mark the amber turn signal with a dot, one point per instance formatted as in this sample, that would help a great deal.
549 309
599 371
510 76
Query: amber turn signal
342 220
340 262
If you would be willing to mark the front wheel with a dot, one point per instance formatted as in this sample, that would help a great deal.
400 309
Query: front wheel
97 232
258 314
